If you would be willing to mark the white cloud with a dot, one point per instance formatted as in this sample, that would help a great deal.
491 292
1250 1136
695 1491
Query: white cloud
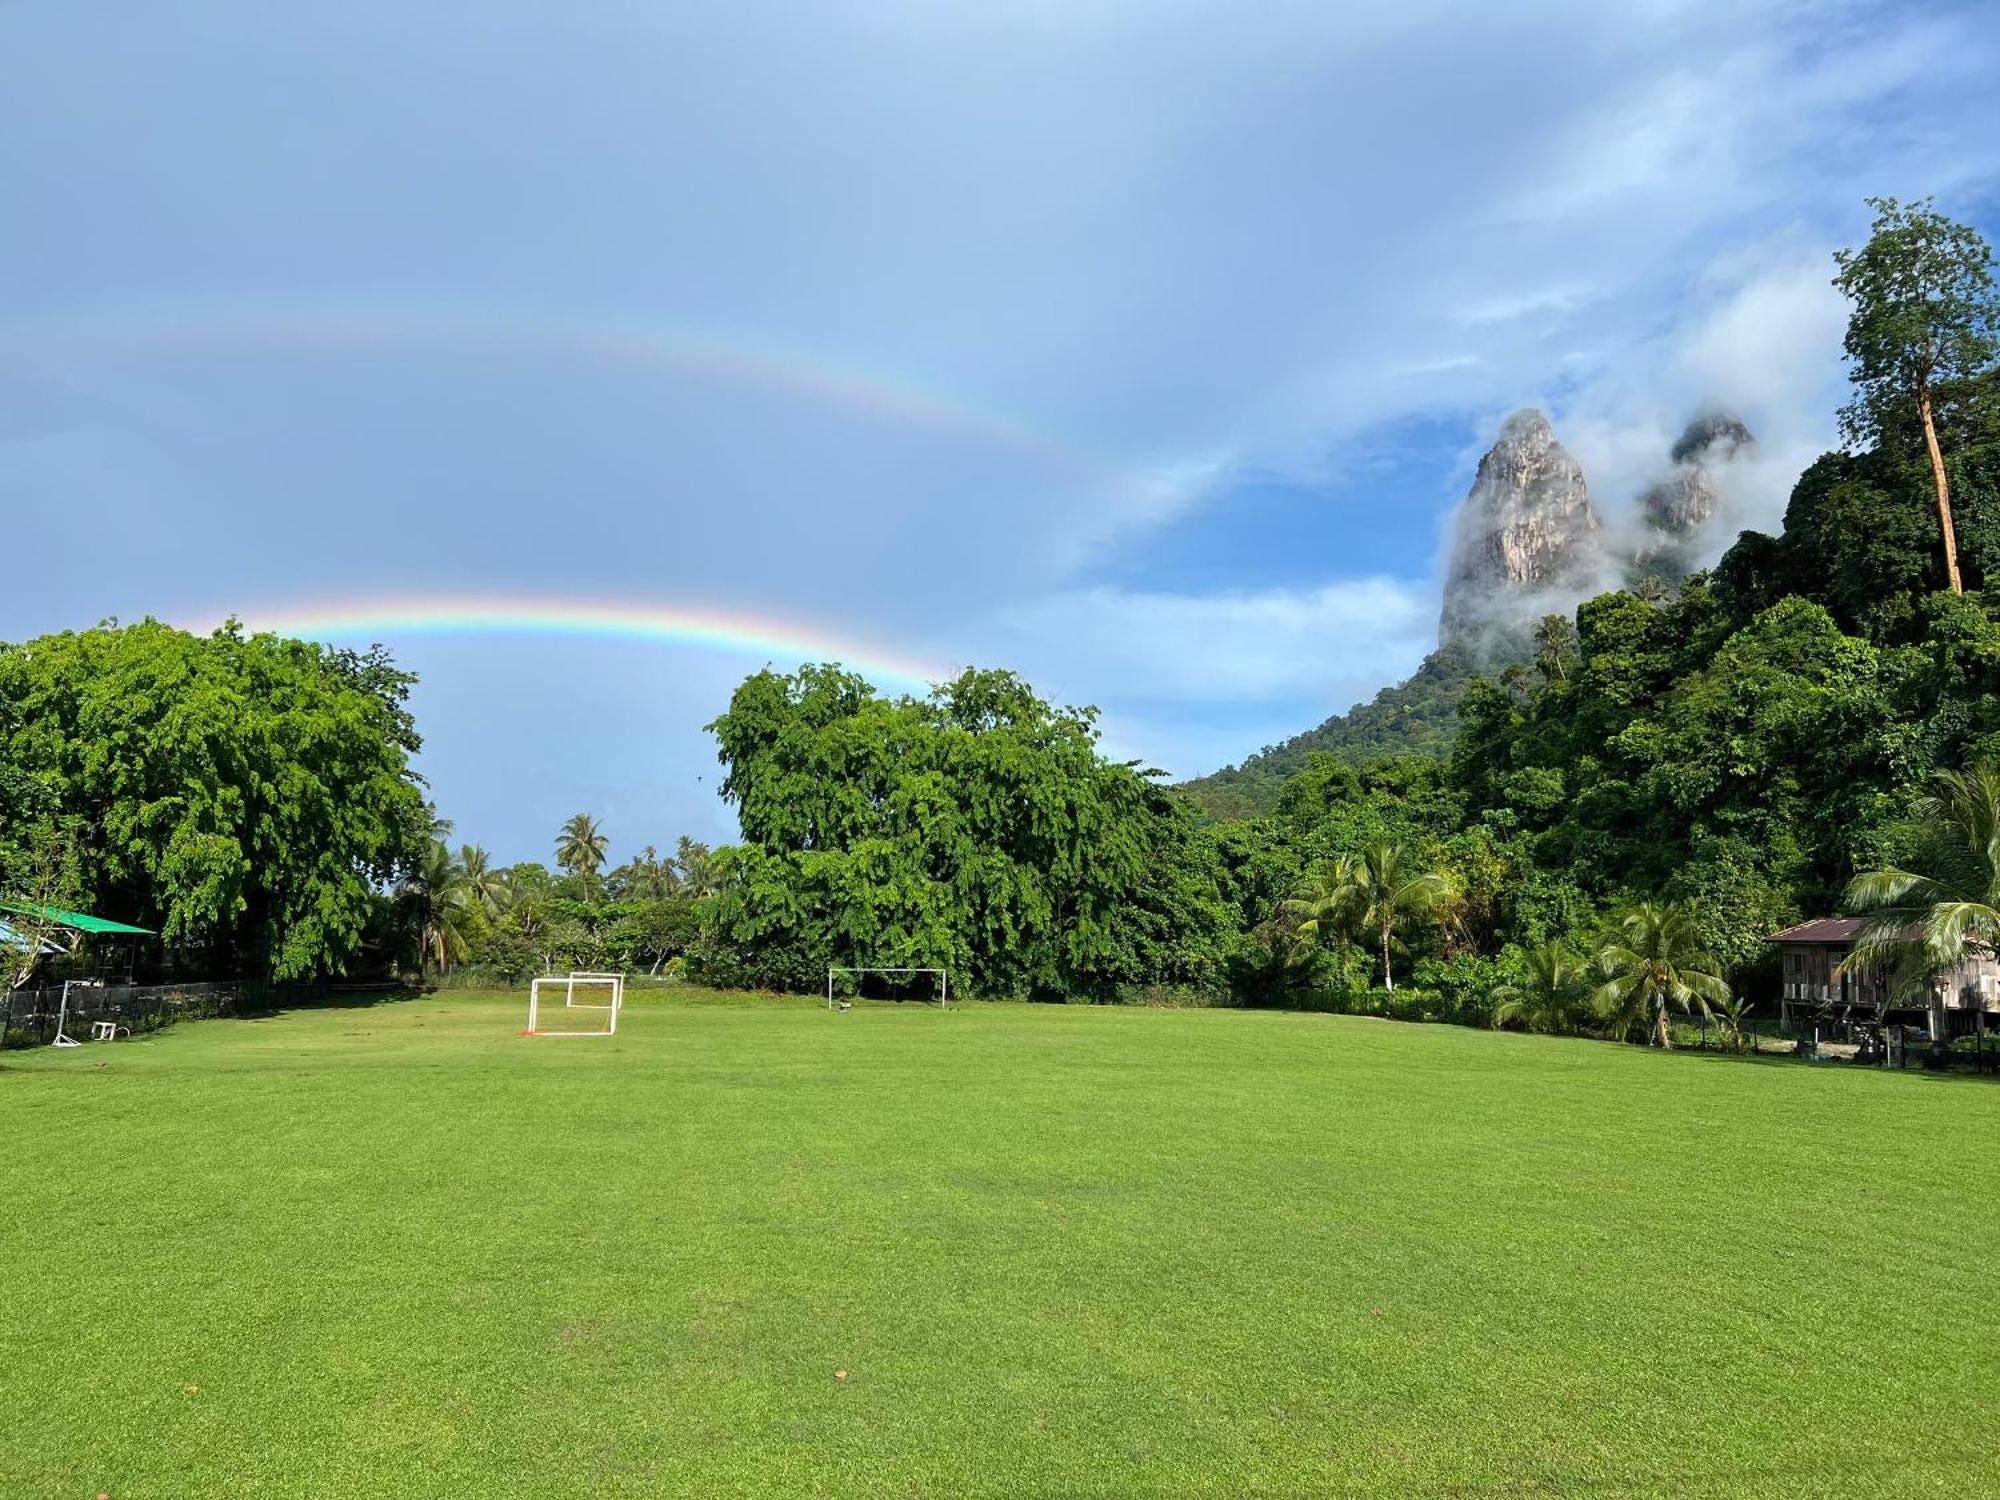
1761 338
1222 648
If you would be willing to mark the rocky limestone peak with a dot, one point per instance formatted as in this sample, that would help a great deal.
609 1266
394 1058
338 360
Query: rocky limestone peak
1527 529
1713 435
1682 504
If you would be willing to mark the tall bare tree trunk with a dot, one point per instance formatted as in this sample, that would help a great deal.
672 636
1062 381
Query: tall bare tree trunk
1943 491
1388 976
1660 1033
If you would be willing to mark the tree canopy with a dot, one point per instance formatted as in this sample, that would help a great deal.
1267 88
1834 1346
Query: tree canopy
246 796
1925 322
978 830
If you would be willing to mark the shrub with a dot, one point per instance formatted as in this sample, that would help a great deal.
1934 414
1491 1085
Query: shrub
1464 985
1406 1004
1172 996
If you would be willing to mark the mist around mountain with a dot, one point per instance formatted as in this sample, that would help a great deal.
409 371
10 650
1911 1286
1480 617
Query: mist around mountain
1528 542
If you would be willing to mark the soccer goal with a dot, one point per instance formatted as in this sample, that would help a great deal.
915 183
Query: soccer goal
580 990
940 981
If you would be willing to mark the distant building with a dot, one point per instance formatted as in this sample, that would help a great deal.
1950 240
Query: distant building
1812 987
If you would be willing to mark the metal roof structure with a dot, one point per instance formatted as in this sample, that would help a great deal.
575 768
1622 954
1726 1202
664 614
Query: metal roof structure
76 921
1819 930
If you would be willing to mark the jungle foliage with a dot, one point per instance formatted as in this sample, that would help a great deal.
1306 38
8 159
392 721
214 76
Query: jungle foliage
245 796
977 830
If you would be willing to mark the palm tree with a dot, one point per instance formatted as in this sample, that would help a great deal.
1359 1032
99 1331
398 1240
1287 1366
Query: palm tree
439 901
1326 910
1925 920
1650 958
581 846
1371 894
1552 995
647 878
488 888
1734 1014
701 872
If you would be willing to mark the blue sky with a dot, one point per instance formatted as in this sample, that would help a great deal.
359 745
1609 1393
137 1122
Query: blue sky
1144 348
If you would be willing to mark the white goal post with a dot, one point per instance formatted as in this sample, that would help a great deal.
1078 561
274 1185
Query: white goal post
943 981
608 990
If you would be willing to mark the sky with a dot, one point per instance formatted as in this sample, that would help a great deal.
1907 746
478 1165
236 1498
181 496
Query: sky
1145 349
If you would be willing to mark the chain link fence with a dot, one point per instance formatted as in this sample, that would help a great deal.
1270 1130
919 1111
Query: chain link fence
30 1017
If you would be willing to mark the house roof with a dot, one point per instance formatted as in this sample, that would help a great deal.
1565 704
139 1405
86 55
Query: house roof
1819 930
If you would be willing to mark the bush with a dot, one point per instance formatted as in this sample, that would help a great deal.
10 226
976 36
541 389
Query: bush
1172 996
483 977
1406 1004
1464 985
786 965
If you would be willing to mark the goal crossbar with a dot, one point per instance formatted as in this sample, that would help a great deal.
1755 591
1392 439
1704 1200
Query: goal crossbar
943 980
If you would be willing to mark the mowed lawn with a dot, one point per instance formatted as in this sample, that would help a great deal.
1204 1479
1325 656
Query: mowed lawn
401 1251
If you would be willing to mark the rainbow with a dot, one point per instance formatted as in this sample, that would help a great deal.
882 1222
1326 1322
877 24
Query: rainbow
786 643
639 345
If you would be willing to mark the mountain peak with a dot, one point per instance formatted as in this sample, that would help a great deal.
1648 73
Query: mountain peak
1684 501
1528 426
1713 434
1526 532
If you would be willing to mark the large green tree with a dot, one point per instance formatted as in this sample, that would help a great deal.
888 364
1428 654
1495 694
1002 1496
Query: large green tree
1924 320
1386 887
978 829
488 886
246 796
698 870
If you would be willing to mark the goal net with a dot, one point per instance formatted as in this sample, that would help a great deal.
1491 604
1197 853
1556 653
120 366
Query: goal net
579 991
920 984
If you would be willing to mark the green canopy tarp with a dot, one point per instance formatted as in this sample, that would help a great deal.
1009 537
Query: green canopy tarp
80 921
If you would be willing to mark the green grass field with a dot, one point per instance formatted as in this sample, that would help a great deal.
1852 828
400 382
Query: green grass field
401 1251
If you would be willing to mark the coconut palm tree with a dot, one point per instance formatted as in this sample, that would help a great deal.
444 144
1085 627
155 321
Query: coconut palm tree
489 888
647 878
1553 993
1370 894
1650 958
1923 920
1326 909
439 903
701 872
581 846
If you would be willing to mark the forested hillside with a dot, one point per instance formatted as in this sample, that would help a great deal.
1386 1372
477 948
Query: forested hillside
1418 716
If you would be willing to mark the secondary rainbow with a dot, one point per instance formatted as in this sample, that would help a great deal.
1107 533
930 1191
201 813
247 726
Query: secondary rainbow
784 643
632 343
